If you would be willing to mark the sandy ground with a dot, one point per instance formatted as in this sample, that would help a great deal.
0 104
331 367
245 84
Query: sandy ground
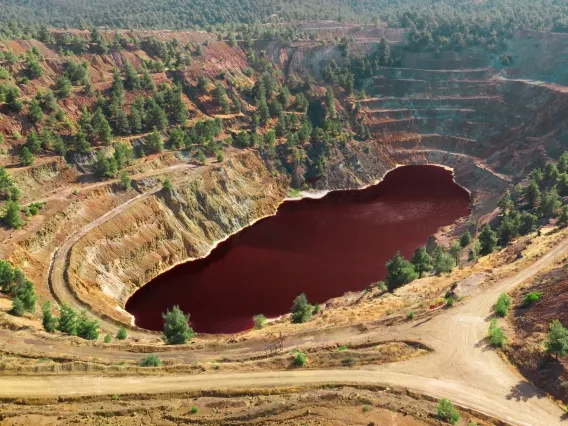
461 367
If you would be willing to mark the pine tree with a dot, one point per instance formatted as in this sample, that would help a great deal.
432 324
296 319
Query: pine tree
101 127
167 185
550 203
532 193
49 321
80 143
465 239
557 341
135 121
125 180
33 143
147 82
176 327
156 116
178 111
154 141
421 261
488 240
34 111
63 86
17 307
67 320
563 217
122 124
177 137
12 214
263 111
330 103
26 294
86 328
399 272
26 157
131 80
86 122
301 309
506 203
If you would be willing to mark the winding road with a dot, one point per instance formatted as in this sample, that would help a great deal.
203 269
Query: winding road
461 366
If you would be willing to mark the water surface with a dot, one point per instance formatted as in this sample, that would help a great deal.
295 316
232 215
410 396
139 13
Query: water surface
323 248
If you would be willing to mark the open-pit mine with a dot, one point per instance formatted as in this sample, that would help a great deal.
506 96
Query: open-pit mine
270 218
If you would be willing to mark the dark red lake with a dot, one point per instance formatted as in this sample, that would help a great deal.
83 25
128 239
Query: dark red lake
323 248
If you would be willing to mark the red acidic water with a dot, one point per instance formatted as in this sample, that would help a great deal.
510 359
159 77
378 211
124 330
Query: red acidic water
323 248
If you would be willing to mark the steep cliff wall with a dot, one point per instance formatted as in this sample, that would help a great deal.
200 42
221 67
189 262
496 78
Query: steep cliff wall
159 231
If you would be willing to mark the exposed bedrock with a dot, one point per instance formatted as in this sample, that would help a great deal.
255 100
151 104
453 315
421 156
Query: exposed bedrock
471 117
109 263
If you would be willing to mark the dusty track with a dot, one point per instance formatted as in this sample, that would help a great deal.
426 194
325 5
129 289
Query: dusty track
461 366
56 279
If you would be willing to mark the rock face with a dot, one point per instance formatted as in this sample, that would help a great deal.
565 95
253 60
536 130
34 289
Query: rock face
163 229
462 110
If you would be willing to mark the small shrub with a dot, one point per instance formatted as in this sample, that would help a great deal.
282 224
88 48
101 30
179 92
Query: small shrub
316 309
107 338
502 305
496 334
447 412
366 408
151 361
121 333
342 348
450 301
300 359
381 285
532 297
410 316
115 397
259 321
301 310
194 409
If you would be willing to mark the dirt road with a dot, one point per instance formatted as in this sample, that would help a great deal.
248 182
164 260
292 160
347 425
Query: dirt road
461 366
56 280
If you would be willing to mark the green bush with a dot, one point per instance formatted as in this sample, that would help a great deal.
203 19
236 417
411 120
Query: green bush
447 412
410 316
342 348
301 310
381 285
151 361
300 359
503 304
194 409
450 301
107 338
316 309
496 334
48 319
121 334
532 297
86 328
176 327
115 397
259 321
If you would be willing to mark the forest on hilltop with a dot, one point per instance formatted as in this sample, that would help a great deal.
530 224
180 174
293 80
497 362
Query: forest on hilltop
202 14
